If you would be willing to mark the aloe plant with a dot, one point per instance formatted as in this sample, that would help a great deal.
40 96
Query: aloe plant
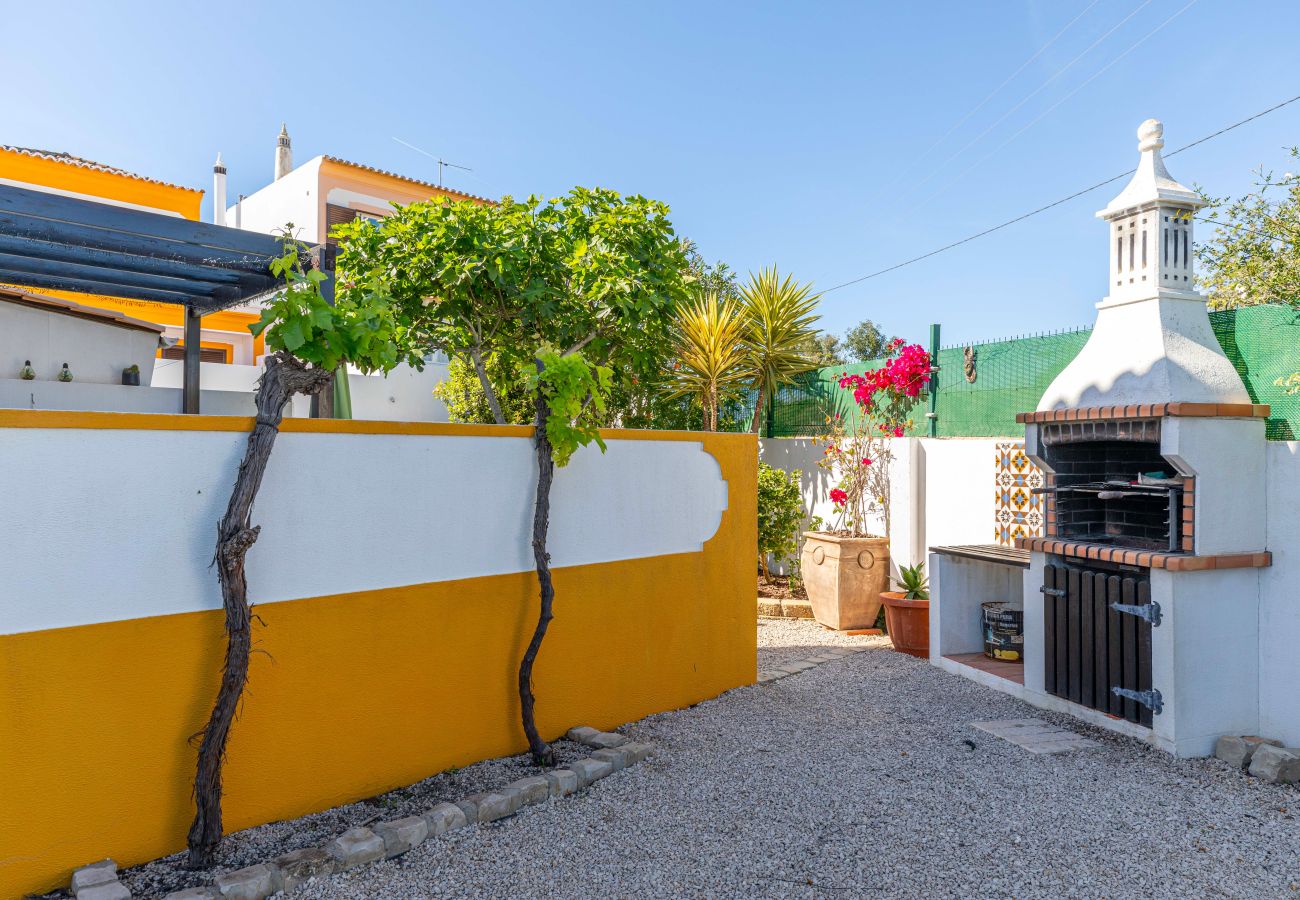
914 582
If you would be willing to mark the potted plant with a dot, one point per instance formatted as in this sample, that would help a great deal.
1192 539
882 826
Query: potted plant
846 569
907 612
131 375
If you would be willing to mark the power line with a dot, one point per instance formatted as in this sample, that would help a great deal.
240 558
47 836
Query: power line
1045 113
962 121
1059 72
1055 203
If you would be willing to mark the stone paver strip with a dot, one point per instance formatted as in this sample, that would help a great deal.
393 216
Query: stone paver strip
794 667
1036 736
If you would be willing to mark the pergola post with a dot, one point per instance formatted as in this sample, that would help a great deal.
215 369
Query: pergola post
193 347
322 404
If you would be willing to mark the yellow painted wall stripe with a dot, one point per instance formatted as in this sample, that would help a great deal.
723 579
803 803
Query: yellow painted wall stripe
356 694
52 418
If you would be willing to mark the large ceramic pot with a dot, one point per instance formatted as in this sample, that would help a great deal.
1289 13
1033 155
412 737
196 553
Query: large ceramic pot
908 623
844 577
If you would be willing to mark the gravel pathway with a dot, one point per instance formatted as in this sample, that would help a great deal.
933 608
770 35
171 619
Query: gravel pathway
864 777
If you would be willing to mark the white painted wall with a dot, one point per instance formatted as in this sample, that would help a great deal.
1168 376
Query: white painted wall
77 395
404 395
1279 600
109 525
294 198
95 351
942 490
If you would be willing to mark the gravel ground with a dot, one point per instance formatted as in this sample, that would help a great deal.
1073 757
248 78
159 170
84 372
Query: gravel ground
859 778
255 845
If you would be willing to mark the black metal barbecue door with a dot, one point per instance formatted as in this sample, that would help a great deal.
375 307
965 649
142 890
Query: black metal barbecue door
1097 640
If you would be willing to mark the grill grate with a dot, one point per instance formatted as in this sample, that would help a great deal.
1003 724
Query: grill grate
1098 497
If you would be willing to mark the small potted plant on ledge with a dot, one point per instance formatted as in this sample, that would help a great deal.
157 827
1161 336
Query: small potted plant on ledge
131 375
846 569
907 612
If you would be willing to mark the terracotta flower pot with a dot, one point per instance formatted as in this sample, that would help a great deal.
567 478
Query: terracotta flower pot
844 577
908 623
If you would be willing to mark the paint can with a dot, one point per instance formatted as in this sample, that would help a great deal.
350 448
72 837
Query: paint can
1004 630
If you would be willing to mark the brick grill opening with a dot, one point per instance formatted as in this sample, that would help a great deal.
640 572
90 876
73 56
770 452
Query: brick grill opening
1098 499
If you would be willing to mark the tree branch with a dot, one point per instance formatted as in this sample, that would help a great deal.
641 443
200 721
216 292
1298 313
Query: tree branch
476 355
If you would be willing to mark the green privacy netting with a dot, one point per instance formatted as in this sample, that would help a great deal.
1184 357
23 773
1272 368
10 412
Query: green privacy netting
1011 375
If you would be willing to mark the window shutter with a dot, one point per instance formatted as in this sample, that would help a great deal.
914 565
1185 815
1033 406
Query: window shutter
337 215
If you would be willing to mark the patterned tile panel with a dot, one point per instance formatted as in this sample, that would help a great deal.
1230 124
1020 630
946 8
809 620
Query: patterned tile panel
1018 512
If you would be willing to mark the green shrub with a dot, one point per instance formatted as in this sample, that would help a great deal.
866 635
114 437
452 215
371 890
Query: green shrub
780 512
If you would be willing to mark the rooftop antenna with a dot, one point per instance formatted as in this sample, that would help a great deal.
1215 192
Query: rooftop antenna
442 163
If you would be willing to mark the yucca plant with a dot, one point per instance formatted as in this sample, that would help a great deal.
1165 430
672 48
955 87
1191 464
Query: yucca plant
711 357
779 319
914 582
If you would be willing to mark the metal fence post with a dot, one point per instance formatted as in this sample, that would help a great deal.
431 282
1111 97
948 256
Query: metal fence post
933 414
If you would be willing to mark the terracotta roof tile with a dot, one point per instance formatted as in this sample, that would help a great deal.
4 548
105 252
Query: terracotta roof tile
70 160
407 178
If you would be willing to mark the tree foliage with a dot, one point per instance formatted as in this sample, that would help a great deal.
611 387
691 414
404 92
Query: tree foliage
711 363
466 402
779 318
570 387
592 270
780 513
865 342
1252 257
824 350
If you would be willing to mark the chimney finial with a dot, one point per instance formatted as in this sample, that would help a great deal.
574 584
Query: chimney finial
1151 135
283 153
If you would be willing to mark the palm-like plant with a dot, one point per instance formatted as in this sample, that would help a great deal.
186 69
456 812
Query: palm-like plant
710 351
779 319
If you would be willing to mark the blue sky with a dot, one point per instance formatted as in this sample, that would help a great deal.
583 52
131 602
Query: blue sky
800 134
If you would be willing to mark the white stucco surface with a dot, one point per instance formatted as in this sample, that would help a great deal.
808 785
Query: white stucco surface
106 525
1279 599
1152 351
96 351
942 490
292 199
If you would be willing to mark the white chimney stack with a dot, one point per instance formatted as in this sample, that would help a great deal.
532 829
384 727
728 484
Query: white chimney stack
1152 342
283 153
219 191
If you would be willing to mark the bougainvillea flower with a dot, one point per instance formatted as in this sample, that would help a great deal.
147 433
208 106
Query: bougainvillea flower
839 497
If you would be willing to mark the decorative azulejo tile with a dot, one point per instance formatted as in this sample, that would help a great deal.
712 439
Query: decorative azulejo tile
1018 511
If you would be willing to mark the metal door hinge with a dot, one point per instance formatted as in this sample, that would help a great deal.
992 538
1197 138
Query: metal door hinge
1150 699
1148 611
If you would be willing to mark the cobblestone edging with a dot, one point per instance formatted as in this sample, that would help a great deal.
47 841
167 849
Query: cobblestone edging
360 846
794 667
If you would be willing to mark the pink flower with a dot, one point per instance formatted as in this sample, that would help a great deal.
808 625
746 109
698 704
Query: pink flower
839 497
898 431
865 461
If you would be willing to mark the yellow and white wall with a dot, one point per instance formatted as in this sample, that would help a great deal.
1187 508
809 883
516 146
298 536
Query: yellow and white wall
394 589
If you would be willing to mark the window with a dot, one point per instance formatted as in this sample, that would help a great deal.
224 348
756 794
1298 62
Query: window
206 354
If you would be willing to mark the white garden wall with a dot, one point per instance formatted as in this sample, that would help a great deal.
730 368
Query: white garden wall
944 493
1279 601
942 490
